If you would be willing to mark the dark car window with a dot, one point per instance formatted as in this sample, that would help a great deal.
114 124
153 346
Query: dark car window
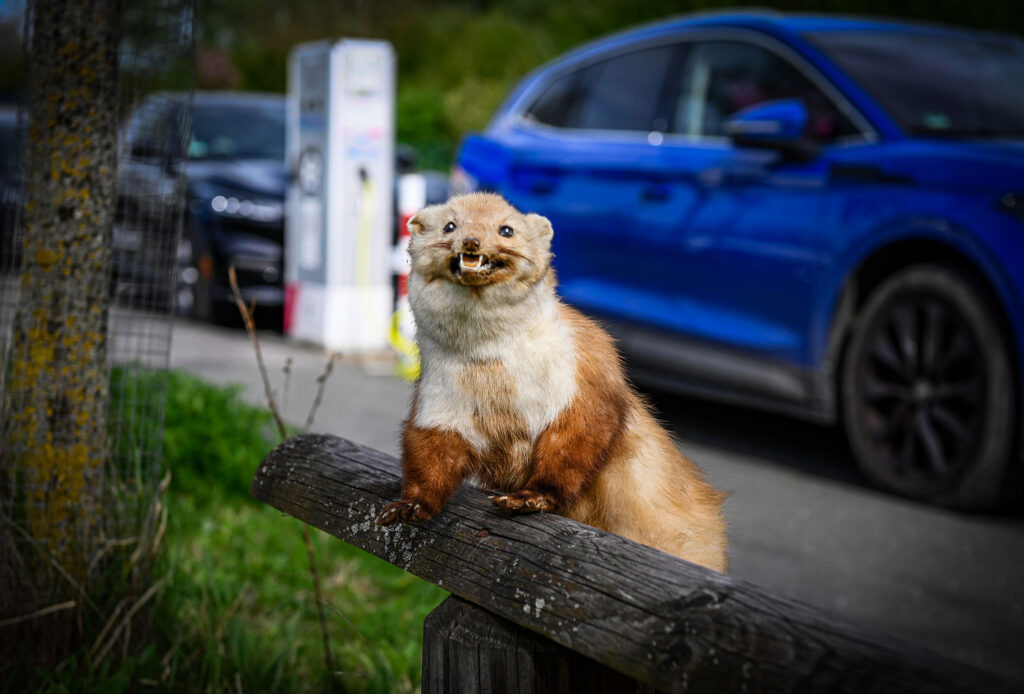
150 133
216 131
621 93
720 78
946 85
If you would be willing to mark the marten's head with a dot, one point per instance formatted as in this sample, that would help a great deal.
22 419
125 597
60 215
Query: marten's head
478 240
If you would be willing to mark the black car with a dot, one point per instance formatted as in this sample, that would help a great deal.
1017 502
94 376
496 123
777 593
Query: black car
10 189
234 178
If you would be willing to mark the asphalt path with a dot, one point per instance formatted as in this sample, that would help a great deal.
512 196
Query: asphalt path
803 522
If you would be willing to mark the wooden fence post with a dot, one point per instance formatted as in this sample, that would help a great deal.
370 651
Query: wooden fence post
466 649
542 579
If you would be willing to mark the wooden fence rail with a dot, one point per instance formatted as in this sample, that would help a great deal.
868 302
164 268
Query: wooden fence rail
662 622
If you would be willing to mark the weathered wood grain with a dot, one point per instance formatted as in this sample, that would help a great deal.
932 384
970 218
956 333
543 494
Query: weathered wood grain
663 621
467 649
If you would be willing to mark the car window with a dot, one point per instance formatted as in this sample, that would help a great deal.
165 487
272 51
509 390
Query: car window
720 78
216 133
937 84
149 131
625 92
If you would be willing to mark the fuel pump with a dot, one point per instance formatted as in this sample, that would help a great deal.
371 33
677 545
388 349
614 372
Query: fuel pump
338 226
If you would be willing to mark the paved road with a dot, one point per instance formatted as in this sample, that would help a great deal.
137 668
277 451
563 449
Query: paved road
803 523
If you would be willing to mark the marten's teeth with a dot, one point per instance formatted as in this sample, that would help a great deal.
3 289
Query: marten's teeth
470 261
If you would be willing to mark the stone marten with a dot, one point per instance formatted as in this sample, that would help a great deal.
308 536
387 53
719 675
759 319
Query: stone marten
521 393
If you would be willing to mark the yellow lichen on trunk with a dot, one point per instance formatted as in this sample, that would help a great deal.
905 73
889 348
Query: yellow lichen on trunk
56 397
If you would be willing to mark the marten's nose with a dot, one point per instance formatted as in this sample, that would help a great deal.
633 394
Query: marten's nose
471 244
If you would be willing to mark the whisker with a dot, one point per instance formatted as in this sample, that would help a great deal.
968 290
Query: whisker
513 253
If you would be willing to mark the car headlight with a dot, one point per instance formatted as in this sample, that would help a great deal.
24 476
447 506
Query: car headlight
236 203
246 208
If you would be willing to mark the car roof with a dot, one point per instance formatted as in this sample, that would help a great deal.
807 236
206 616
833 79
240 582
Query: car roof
780 23
789 27
219 98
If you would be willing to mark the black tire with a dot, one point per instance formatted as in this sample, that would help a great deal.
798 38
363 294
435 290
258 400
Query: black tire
927 390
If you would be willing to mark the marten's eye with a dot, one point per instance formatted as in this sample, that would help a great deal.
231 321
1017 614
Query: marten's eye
506 231
449 227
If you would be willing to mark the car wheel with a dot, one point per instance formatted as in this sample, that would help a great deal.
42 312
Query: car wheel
192 292
927 390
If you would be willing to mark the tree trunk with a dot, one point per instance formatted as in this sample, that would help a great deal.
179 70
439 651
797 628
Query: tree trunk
56 399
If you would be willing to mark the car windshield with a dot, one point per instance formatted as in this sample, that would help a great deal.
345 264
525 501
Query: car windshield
243 130
937 84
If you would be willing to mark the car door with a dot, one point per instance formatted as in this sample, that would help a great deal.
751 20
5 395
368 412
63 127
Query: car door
588 156
755 242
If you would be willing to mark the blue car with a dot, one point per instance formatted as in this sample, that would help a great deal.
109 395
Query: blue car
818 215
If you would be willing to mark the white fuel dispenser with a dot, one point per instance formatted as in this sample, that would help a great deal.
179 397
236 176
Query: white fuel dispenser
339 214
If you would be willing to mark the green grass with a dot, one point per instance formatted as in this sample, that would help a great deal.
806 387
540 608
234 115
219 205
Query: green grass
239 607
237 612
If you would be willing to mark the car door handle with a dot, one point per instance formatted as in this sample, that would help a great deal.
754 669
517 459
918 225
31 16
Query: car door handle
658 192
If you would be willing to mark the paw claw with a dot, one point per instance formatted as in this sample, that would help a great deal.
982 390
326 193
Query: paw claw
524 501
403 510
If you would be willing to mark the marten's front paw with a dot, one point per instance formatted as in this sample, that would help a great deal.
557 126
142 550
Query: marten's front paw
524 501
404 510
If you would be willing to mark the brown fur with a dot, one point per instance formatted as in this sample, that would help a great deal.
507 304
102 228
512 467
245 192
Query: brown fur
434 462
603 460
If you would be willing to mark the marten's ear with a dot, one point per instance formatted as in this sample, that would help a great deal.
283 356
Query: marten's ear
541 226
424 220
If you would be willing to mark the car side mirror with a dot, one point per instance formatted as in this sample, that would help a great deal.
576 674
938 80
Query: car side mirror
777 125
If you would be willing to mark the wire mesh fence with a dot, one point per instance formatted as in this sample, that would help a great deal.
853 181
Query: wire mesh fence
91 209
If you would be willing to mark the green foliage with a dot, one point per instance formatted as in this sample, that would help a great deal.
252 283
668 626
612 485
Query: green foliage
422 124
240 607
213 441
237 610
466 56
79 675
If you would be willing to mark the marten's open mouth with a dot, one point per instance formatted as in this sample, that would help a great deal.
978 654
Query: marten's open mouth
472 263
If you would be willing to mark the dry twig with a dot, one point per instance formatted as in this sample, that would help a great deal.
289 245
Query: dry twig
287 370
38 613
322 382
111 621
380 661
125 623
250 328
43 552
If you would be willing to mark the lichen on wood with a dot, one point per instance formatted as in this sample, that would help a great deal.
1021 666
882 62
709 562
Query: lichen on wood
56 396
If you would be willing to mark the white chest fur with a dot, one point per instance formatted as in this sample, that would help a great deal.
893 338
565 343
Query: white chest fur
529 352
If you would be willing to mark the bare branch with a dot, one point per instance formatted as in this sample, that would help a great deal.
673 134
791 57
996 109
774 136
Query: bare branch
39 613
126 620
322 382
250 327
